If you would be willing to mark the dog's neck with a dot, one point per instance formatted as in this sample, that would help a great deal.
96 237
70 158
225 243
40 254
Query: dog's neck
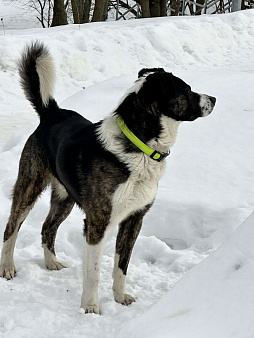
154 154
167 135
113 138
155 130
142 121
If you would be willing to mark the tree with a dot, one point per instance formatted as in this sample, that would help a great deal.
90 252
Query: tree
81 10
77 10
86 11
43 7
100 12
152 8
59 14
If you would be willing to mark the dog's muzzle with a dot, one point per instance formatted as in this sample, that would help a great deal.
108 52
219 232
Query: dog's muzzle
207 104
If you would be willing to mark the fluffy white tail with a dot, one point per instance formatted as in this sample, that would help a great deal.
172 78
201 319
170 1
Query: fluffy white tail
37 72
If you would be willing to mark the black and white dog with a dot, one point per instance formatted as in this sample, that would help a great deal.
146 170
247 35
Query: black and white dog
110 169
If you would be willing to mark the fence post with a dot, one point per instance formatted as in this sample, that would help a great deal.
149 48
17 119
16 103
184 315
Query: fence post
236 5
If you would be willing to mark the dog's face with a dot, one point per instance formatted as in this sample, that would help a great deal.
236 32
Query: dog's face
172 97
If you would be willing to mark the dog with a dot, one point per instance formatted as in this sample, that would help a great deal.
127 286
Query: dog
110 169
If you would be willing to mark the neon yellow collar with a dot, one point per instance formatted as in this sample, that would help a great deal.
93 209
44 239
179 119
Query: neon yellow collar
154 154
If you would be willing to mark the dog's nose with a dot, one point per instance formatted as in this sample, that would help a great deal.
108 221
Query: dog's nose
213 100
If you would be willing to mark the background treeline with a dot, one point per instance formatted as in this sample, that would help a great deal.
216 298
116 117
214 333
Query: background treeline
61 12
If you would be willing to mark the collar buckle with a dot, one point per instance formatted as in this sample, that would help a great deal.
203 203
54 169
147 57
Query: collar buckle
157 156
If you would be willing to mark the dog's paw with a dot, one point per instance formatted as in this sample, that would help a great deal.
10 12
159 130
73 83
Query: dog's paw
125 299
7 271
55 265
92 309
51 261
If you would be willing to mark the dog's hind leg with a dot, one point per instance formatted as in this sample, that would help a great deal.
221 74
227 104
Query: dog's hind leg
31 181
126 238
61 206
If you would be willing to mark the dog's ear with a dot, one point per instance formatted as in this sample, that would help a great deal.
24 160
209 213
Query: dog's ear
150 70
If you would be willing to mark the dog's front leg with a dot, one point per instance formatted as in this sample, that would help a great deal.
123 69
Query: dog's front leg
92 263
127 235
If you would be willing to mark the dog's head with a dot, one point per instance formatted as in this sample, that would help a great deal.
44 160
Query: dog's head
171 96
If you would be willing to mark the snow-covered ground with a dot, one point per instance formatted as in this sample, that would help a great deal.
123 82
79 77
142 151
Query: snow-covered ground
205 195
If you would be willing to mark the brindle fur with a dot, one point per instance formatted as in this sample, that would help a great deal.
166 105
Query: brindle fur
127 234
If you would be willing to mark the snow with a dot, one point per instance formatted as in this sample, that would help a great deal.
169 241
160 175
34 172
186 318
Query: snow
214 299
203 211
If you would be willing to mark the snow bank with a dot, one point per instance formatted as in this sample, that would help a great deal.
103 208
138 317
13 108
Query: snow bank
215 298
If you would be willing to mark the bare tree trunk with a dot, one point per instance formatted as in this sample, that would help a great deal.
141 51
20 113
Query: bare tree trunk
105 13
59 14
145 8
155 8
99 10
163 5
86 10
77 10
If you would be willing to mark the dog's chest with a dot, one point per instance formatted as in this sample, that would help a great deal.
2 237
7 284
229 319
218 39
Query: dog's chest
137 192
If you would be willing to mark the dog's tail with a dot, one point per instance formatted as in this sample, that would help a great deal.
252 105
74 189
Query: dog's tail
37 72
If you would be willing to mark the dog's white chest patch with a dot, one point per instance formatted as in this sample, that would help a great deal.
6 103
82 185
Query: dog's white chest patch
141 187
134 194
